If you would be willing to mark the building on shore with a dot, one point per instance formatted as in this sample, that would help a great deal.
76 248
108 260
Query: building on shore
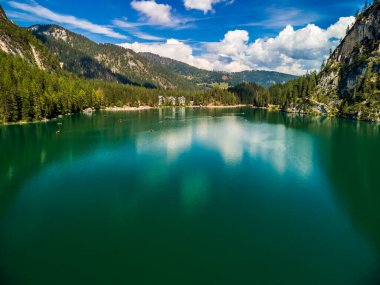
161 100
182 101
171 101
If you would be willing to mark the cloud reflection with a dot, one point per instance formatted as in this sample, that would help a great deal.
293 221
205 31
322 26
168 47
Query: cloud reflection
233 138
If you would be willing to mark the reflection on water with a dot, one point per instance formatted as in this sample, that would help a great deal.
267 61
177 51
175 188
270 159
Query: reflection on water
236 196
233 137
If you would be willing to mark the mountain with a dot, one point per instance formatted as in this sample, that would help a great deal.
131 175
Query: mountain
203 77
350 81
18 41
348 84
263 78
113 63
85 58
33 85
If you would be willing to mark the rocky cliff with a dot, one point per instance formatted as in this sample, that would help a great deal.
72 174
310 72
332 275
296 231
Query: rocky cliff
350 82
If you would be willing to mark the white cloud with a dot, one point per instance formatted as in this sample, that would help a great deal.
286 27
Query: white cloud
281 17
173 49
46 14
23 16
132 28
234 43
146 36
156 14
202 5
291 51
300 50
338 30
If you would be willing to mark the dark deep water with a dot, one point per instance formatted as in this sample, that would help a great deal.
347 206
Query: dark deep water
231 196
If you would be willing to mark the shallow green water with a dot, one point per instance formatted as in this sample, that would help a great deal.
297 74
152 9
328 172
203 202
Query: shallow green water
236 196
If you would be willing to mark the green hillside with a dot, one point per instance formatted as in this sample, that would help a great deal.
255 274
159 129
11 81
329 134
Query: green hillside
203 77
112 63
18 41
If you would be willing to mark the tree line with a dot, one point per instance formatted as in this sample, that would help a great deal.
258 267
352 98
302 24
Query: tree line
30 94
291 93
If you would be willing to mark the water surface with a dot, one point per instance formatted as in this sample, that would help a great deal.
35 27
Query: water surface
183 196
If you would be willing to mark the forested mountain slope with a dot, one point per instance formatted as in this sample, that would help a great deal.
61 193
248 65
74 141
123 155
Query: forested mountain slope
33 86
28 93
18 41
108 62
203 77
87 59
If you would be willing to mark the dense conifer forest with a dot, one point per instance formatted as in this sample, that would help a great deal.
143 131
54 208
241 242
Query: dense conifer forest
28 93
34 86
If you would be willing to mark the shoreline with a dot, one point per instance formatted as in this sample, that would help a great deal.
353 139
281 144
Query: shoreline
271 108
142 108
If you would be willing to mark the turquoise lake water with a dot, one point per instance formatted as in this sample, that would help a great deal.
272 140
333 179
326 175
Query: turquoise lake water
190 196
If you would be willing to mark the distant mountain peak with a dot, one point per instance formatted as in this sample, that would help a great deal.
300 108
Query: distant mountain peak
55 31
88 59
208 78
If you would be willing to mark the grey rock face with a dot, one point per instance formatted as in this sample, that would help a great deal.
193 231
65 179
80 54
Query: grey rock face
349 62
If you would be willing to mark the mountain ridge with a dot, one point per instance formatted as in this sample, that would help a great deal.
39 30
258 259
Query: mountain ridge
85 58
88 59
18 41
348 85
206 77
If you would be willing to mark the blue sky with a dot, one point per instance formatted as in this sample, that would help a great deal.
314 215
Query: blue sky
233 35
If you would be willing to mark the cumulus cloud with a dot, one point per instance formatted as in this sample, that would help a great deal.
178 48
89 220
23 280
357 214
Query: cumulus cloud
202 5
291 51
46 14
297 51
173 49
156 14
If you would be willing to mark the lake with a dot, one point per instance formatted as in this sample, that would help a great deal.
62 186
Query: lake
190 196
